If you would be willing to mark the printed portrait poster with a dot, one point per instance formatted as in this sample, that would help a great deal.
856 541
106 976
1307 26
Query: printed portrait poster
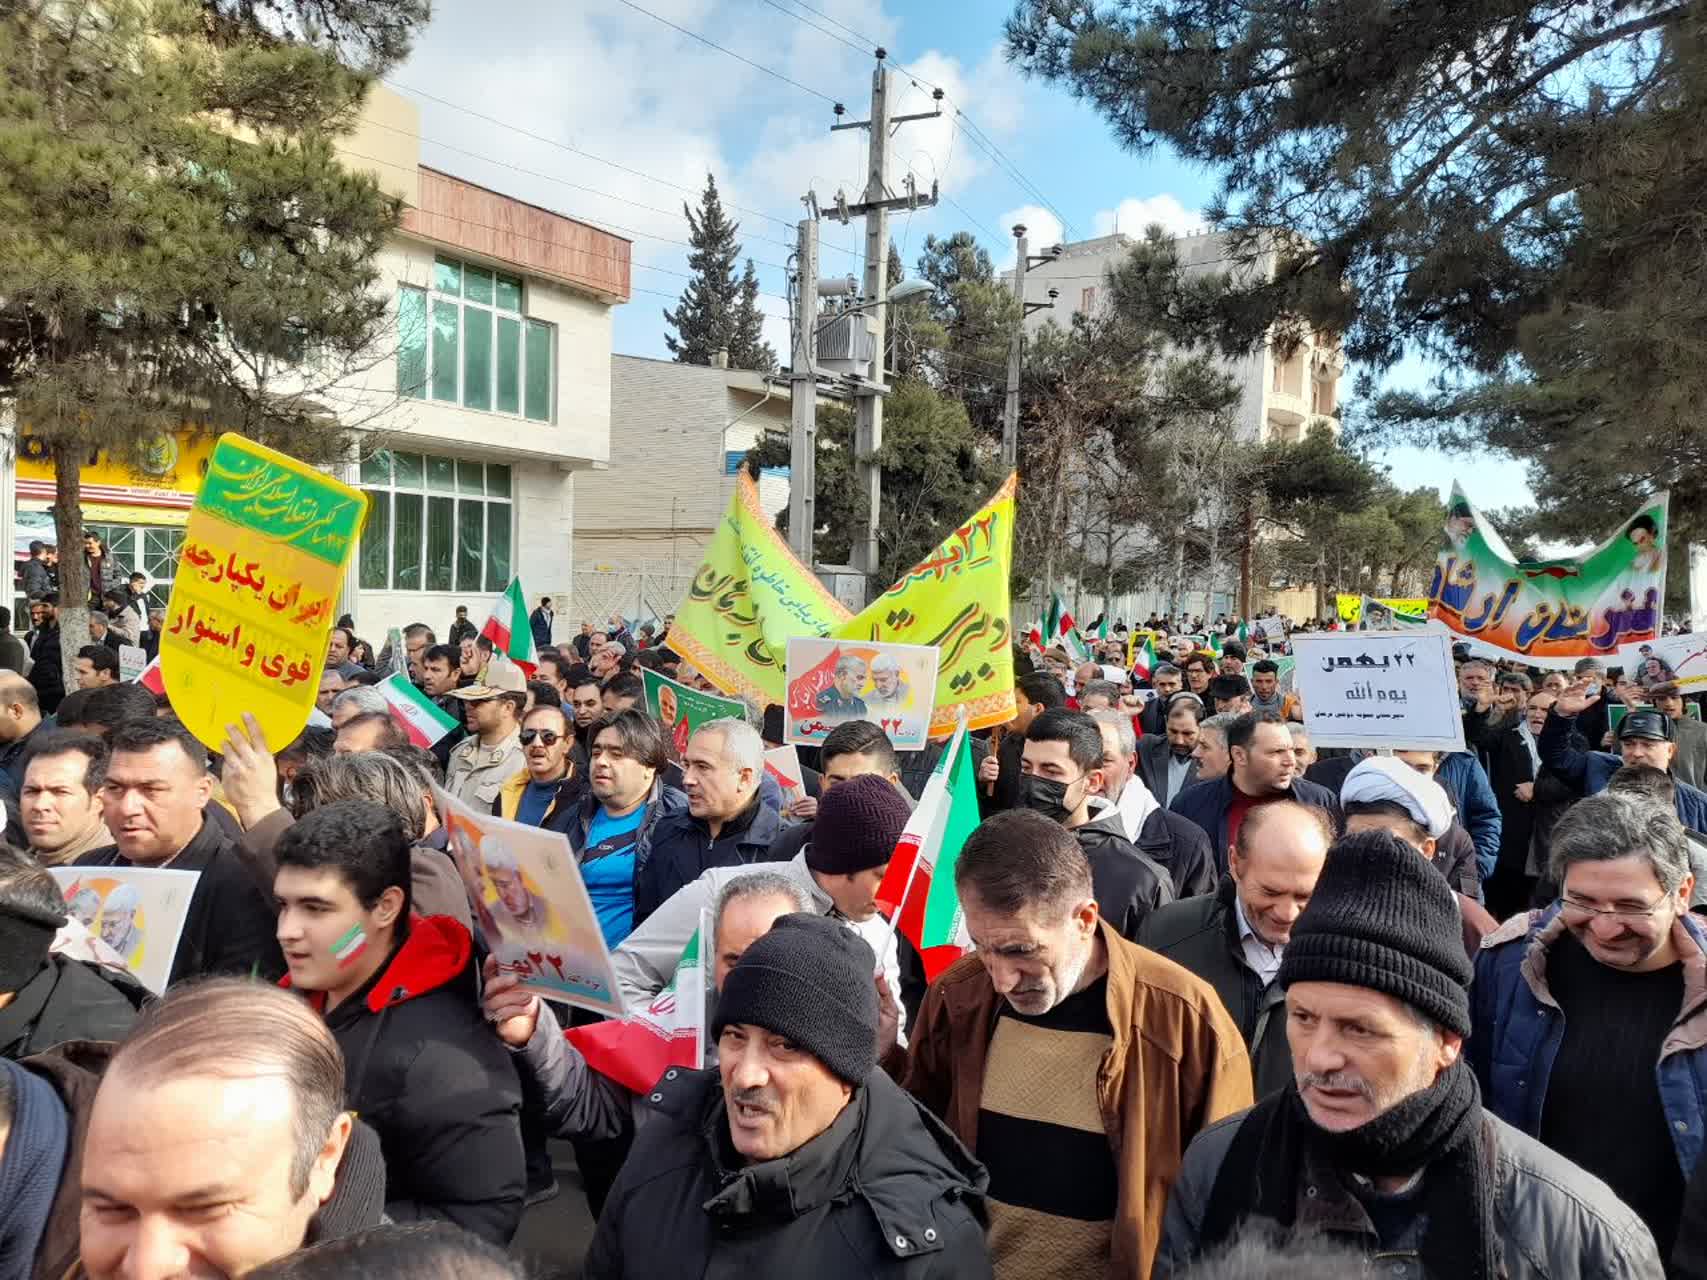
1395 689
833 681
1664 659
531 906
682 709
783 765
137 911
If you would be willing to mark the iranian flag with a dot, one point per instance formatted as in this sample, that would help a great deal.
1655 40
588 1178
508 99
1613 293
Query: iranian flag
508 628
151 679
1059 627
422 718
918 888
669 1032
1143 662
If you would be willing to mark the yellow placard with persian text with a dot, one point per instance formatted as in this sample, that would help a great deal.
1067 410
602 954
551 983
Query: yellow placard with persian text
956 598
750 596
256 591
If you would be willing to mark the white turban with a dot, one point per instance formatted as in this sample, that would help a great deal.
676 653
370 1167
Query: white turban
1390 780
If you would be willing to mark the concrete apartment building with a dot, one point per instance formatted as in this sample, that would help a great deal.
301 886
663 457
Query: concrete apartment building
494 393
1278 399
683 430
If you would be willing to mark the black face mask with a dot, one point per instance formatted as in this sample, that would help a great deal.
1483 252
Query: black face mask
1045 796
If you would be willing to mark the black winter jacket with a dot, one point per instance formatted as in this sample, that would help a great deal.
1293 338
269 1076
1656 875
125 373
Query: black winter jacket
69 1000
1202 935
232 926
1179 847
424 1069
683 848
885 1192
1128 886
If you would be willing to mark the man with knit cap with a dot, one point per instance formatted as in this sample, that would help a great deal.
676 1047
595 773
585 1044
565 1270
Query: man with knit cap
796 1156
1381 1139
853 836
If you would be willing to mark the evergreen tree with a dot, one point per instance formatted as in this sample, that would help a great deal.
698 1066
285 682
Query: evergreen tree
718 311
175 258
749 350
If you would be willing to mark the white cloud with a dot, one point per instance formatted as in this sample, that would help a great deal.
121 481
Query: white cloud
1042 229
1135 214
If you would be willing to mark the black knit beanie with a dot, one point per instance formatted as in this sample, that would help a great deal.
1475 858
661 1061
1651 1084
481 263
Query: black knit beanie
811 979
26 936
1381 917
857 826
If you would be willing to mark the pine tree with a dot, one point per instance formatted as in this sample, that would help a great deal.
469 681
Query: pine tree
703 318
748 349
176 257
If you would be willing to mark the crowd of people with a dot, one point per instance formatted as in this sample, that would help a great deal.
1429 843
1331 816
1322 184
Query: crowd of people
1231 1005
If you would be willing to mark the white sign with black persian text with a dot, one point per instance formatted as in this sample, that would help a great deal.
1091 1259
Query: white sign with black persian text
1392 689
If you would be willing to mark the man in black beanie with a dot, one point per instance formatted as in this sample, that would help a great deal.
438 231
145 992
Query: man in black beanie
1381 1138
796 1156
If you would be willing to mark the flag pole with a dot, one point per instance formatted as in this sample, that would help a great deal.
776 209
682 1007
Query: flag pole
913 872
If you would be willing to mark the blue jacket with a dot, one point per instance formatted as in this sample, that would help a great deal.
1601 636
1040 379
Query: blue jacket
1206 804
1589 771
1467 783
1517 1030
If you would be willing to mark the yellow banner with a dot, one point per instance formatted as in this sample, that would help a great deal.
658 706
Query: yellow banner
750 595
956 598
1351 607
256 591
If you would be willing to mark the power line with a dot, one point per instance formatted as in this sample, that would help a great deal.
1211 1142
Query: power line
569 147
712 44
789 12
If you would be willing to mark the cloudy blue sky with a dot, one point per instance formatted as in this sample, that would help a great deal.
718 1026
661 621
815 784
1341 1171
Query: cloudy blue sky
606 112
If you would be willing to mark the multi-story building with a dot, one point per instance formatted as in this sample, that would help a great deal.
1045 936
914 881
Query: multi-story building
493 393
1279 399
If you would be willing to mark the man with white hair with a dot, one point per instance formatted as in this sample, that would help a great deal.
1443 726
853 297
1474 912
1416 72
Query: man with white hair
725 824
524 911
1175 844
118 921
888 695
358 701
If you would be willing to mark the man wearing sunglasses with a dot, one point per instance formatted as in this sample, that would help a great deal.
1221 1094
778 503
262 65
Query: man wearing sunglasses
1589 1026
1645 736
547 784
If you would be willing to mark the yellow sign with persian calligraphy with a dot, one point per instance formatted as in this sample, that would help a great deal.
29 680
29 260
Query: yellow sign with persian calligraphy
956 598
256 591
749 597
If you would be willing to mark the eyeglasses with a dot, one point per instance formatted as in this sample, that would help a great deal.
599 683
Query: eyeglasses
1581 911
546 736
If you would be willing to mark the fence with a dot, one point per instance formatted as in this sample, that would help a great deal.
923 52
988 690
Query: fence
638 596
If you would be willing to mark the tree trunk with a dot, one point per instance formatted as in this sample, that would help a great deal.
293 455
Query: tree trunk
73 570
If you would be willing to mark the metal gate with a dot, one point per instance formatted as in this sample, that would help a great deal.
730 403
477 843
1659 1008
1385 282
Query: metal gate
639 597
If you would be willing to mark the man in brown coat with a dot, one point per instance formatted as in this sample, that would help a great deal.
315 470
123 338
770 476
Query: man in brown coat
1074 1064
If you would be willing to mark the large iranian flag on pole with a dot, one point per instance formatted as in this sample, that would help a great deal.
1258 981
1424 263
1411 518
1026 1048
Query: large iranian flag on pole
669 1032
422 718
508 628
918 888
1059 628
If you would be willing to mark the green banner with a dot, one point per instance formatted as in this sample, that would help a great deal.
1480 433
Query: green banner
682 710
1550 612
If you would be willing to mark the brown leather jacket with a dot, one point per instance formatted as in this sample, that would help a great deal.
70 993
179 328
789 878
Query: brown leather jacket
1177 1065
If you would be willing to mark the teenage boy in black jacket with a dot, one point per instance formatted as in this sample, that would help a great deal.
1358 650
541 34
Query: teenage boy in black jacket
397 992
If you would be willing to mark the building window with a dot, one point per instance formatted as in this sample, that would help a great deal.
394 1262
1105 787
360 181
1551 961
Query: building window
465 341
1087 300
435 524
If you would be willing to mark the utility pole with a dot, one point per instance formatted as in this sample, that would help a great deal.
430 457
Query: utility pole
1023 261
868 402
803 397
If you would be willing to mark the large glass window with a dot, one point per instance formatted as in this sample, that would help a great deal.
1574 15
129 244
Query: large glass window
465 341
435 524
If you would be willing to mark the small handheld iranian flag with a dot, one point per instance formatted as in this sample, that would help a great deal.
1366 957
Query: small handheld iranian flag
151 680
1059 628
1143 662
918 888
422 718
669 1032
508 630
